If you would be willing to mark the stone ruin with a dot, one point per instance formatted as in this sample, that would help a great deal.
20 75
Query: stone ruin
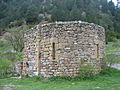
58 49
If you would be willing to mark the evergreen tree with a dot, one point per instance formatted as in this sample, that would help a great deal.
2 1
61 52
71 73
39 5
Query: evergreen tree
100 12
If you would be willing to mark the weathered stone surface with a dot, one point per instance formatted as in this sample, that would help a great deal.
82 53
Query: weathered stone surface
56 49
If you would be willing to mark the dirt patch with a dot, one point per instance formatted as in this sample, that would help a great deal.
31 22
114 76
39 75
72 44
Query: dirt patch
9 86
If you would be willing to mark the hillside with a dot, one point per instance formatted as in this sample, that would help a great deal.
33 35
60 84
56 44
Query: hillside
33 11
102 12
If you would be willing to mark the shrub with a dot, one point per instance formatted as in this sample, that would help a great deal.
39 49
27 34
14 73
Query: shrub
5 67
86 70
109 71
16 23
2 43
111 36
116 45
111 59
18 56
16 40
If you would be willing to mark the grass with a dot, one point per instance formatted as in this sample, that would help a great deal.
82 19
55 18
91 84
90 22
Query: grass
112 47
4 47
108 79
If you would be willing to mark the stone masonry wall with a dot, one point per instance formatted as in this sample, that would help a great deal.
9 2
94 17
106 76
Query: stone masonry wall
56 49
30 52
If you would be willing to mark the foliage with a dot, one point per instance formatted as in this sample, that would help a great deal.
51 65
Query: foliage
111 59
32 14
7 56
17 56
86 70
111 36
16 23
116 45
108 71
113 47
7 51
100 12
5 67
2 43
16 40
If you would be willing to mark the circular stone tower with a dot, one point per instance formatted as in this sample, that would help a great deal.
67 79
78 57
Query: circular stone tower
62 48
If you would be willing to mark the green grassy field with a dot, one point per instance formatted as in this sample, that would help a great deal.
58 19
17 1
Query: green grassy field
108 80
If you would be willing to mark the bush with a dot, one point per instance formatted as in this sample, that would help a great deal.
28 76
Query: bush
86 70
109 71
2 43
111 36
16 40
18 56
111 59
5 67
116 45
16 23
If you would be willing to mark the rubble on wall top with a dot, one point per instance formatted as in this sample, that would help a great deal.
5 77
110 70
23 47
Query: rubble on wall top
37 27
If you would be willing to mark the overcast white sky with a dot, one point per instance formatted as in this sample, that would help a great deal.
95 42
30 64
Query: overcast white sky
115 1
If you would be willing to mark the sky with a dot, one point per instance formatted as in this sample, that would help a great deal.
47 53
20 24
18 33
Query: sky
115 1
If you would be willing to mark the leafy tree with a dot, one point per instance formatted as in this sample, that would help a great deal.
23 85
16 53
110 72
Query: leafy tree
111 7
110 36
106 21
75 13
31 14
96 11
117 20
104 6
16 40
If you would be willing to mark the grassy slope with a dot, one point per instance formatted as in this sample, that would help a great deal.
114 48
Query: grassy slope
5 47
106 81
110 47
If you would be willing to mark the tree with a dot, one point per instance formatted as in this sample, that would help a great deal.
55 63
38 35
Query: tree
99 12
104 5
106 20
16 40
75 13
111 7
31 14
59 14
117 20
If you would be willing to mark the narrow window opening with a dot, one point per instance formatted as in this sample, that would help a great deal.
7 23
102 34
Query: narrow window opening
39 56
27 64
53 50
21 65
97 50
